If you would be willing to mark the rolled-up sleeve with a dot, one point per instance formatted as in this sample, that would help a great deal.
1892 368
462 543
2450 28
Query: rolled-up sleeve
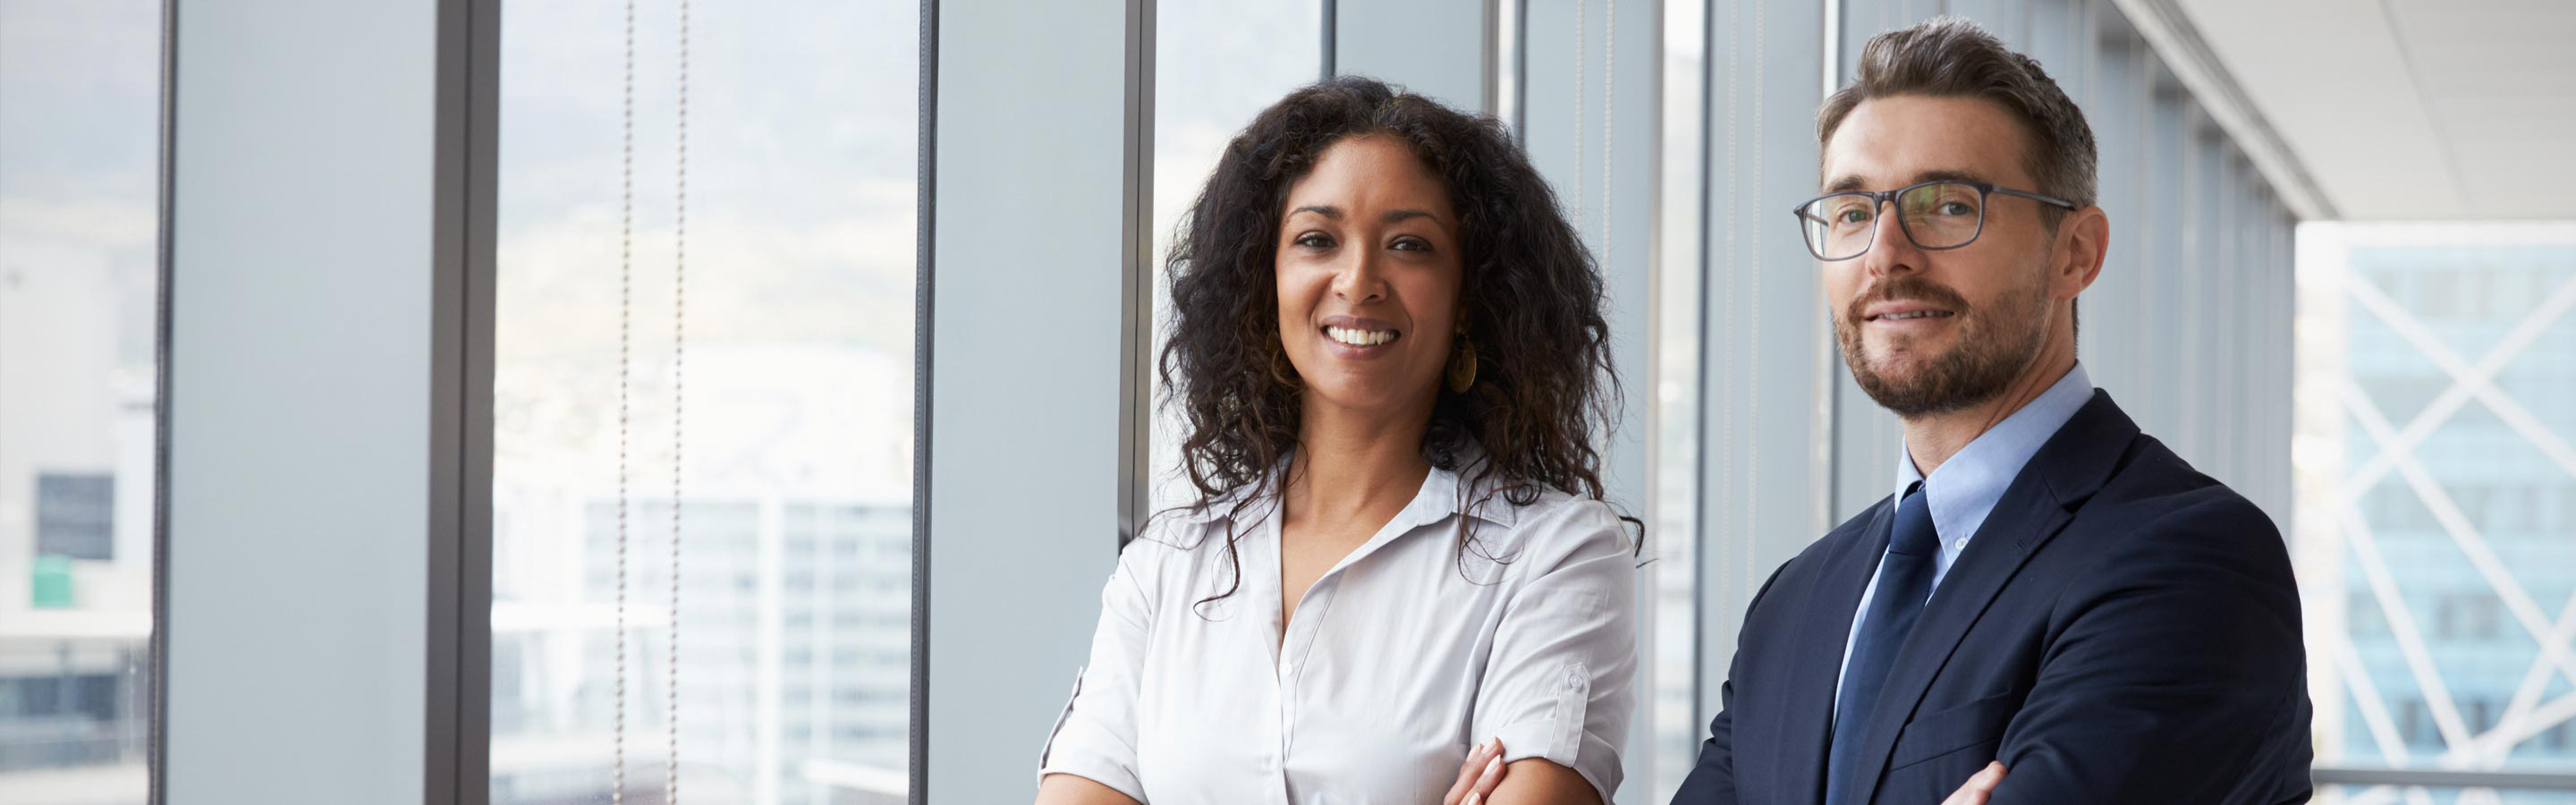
1095 736
1560 683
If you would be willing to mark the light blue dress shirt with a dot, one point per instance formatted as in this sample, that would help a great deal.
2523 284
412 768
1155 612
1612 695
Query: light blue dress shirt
1964 489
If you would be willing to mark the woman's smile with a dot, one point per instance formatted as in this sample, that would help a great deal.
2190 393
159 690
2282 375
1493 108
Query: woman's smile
1355 338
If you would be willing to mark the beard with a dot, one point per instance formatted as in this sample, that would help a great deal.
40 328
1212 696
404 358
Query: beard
1994 344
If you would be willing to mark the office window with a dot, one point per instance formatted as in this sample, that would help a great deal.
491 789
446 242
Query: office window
778 434
1216 65
1671 723
2432 433
2437 795
79 291
75 515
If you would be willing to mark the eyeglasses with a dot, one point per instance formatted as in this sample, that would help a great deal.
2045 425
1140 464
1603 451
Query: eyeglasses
1935 215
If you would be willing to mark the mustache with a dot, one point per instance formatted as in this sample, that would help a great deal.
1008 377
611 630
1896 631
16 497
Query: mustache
1905 288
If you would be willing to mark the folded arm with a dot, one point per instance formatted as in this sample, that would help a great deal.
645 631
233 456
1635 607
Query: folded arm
1559 685
1090 755
2169 667
1071 789
1538 781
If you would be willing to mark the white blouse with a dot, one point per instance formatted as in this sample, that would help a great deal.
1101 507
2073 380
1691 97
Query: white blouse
1400 659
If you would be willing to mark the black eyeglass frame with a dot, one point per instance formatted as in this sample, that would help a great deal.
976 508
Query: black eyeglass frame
1881 198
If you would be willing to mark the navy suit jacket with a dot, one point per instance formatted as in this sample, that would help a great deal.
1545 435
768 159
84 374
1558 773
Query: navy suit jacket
2122 629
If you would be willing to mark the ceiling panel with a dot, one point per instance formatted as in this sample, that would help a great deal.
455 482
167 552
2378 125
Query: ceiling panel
2412 109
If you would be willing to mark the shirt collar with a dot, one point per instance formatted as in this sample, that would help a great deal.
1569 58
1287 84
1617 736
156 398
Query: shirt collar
1964 489
1438 498
1486 501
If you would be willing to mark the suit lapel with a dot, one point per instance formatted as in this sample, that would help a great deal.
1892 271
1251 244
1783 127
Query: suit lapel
2042 499
1825 628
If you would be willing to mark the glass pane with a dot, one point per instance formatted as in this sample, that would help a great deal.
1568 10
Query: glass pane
80 118
1671 718
2421 795
1216 64
783 429
2440 569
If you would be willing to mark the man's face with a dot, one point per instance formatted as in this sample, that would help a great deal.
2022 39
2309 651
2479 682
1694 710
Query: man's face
1933 331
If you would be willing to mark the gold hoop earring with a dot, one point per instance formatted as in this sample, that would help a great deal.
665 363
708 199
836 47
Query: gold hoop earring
1462 366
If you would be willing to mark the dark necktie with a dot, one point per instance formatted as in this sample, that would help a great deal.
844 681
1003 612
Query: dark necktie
1904 582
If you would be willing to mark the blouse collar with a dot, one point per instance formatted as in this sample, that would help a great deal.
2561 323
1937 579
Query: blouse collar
1439 498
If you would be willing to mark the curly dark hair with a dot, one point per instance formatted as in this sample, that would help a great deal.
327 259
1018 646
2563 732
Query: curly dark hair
1530 301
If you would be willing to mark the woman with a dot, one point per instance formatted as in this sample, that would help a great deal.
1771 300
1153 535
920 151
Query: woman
1392 356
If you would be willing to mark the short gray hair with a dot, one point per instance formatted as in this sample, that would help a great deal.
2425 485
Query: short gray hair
1952 57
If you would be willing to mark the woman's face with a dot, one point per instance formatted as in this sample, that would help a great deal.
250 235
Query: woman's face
1369 270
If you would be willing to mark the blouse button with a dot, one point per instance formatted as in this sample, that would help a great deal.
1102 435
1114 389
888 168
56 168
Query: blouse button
1573 679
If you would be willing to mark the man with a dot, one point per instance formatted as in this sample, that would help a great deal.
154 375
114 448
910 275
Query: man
2047 587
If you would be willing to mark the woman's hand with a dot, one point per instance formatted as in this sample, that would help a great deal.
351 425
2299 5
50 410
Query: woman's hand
1478 776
